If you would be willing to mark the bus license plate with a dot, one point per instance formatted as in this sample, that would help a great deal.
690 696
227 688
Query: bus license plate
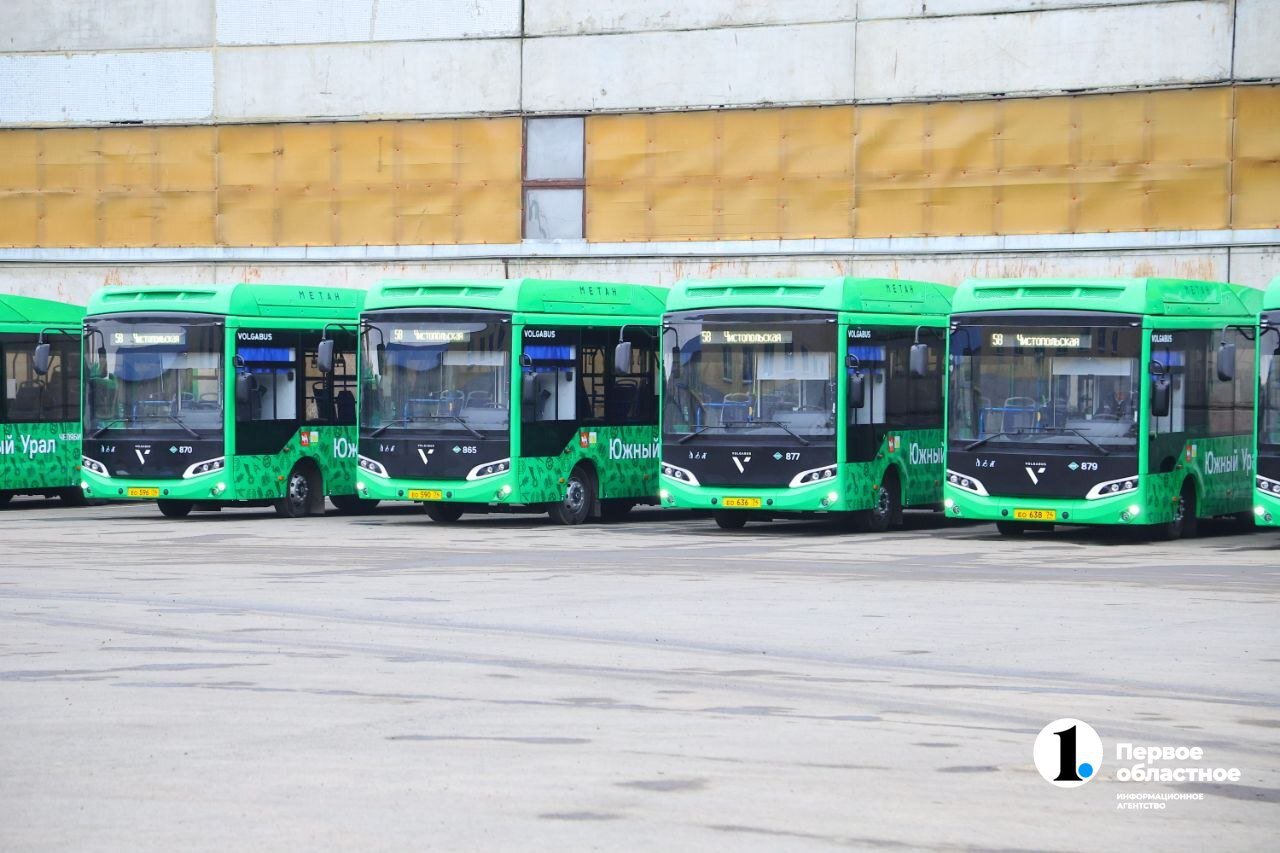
1036 514
140 492
741 503
426 495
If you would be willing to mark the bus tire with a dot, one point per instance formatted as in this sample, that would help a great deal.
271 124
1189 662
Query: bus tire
1185 524
887 513
443 513
5 497
1012 529
729 519
175 509
72 497
615 509
300 490
579 498
351 505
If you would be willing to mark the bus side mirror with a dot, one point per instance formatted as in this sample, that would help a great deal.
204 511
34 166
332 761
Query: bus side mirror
622 357
919 360
1160 396
324 355
673 365
41 357
244 388
857 390
380 356
1226 362
102 361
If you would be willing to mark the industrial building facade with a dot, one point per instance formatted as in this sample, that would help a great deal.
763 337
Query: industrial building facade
342 142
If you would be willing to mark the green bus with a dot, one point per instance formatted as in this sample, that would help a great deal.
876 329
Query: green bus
205 396
1100 401
799 395
482 396
1267 509
40 410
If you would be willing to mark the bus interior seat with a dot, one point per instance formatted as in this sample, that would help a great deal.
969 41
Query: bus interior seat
345 406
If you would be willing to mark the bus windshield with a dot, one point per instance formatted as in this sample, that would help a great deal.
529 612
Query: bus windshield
1269 383
744 377
160 376
442 375
1036 386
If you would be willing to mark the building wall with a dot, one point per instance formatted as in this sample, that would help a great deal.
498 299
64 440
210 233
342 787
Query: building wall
204 137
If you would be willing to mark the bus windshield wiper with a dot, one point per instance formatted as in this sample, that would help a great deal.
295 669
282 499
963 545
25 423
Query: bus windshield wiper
100 430
468 427
1077 432
779 424
699 431
984 440
388 425
177 420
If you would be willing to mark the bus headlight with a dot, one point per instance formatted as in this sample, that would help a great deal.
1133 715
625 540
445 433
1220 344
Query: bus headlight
1266 484
489 469
206 467
372 466
680 474
1113 487
969 484
93 465
813 475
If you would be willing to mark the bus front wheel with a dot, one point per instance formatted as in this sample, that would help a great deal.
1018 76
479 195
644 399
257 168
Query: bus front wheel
175 509
300 490
443 513
1012 528
579 498
1185 524
728 519
351 505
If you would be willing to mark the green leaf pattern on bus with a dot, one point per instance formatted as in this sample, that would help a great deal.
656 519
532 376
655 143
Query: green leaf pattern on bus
39 456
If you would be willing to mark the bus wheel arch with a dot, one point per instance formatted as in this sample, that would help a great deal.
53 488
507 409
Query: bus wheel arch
303 491
1185 523
581 496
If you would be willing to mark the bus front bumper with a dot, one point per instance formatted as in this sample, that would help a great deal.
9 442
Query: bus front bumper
1266 503
1123 509
823 496
214 486
498 490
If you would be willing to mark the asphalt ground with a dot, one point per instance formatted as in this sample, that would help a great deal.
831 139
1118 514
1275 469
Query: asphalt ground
234 680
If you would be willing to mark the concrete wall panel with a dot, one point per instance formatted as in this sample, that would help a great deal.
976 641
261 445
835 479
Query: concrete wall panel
872 9
369 81
60 25
261 22
1043 51
1257 34
577 17
688 69
151 86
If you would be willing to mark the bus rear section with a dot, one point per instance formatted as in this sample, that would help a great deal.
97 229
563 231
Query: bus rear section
200 398
1100 402
510 396
40 408
1267 479
790 397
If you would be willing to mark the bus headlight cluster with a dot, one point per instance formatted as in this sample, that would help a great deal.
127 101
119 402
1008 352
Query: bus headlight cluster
372 466
489 469
1112 487
969 484
93 465
677 473
1266 484
206 467
813 475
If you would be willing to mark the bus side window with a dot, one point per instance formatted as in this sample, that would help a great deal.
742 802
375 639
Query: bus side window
549 383
35 398
330 398
630 397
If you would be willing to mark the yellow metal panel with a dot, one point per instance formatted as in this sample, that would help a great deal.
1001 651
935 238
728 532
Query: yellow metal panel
126 218
488 149
1112 129
426 215
247 156
1191 125
127 157
70 219
306 218
306 156
1189 196
750 144
1035 133
616 148
818 141
617 212
426 151
185 158
749 209
962 210
186 218
488 213
683 145
962 139
818 207
366 153
1036 202
683 210
1257 171
246 216
890 139
891 207
70 159
366 215
19 218
19 159
1110 199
